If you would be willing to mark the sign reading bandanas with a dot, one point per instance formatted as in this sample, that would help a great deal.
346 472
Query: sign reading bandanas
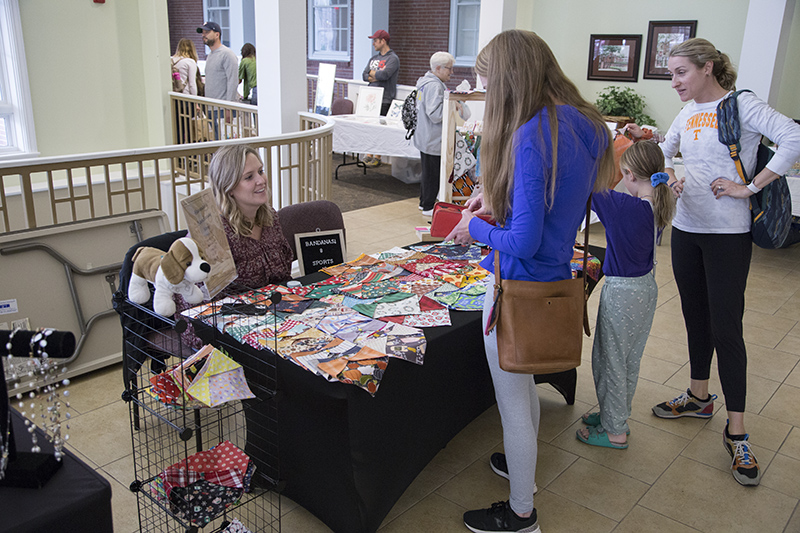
319 249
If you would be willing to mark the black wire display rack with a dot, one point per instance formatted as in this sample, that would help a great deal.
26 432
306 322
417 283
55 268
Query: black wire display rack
164 435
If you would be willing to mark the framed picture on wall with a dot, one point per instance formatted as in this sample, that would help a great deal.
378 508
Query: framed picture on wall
614 57
662 36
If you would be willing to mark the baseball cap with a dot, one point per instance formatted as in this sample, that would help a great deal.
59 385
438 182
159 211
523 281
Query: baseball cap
380 34
210 26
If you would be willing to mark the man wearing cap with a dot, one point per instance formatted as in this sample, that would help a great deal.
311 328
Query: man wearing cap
381 71
222 65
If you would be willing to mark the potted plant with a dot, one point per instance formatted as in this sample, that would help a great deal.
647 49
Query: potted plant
621 103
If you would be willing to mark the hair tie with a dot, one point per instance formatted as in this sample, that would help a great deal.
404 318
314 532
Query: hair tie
658 178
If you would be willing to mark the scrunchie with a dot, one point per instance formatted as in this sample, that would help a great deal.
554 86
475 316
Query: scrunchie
658 178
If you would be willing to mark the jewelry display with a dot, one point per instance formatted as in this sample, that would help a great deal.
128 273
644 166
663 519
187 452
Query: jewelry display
38 386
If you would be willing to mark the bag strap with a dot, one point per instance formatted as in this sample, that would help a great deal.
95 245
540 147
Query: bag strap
498 279
729 130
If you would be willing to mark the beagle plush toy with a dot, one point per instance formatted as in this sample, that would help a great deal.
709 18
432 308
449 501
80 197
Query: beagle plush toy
175 271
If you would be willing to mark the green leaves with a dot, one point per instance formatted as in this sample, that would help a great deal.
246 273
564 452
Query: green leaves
625 102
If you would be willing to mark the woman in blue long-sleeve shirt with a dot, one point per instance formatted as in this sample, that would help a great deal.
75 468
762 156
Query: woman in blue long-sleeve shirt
544 149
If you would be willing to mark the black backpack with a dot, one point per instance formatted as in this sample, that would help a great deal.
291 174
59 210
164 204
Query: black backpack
410 114
771 208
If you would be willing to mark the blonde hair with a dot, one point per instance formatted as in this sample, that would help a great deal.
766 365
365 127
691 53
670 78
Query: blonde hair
224 173
699 52
186 49
523 77
644 159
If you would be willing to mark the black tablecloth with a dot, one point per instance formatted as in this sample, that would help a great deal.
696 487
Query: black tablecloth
75 500
346 456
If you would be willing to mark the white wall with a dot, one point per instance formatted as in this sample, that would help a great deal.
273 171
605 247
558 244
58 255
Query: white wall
567 26
99 73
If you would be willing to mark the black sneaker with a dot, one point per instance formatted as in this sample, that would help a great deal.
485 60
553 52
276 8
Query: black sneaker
499 466
500 517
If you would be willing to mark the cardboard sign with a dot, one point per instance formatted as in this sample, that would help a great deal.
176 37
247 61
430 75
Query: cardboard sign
319 249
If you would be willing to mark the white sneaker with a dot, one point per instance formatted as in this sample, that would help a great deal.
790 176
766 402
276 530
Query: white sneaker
427 213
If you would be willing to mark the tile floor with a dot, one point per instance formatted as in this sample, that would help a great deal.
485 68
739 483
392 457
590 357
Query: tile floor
674 477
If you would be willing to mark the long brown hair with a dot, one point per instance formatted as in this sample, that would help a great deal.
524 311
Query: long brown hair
224 173
186 49
523 77
699 52
644 159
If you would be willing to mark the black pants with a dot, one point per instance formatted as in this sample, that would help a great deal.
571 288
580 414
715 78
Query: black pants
711 273
429 185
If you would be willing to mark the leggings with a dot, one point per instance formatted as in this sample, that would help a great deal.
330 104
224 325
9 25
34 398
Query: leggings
518 403
429 185
711 273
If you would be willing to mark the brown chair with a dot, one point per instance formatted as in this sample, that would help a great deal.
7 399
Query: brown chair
345 106
317 215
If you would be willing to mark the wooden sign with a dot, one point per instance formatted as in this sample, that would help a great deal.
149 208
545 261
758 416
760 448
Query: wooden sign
319 249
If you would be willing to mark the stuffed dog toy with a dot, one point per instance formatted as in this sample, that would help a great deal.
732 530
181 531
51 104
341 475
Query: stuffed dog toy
176 271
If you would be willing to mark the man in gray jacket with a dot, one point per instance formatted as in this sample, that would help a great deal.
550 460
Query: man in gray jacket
428 135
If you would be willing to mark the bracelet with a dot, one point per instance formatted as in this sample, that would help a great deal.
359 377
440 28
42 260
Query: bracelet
754 188
673 183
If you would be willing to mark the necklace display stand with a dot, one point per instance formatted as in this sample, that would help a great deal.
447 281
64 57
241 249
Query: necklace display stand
27 469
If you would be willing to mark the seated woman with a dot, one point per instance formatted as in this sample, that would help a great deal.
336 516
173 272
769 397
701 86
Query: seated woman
260 251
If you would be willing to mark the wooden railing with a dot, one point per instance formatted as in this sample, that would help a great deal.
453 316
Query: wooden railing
198 119
57 190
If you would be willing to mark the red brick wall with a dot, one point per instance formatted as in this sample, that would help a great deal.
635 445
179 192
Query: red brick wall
184 18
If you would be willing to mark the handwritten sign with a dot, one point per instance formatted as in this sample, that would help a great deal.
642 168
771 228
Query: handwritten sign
319 249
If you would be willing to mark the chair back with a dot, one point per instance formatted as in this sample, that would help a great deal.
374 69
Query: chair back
322 215
342 106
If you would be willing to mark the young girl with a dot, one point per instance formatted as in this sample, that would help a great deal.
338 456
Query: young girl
628 298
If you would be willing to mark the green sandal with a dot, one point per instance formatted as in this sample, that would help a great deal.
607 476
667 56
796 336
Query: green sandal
598 437
593 419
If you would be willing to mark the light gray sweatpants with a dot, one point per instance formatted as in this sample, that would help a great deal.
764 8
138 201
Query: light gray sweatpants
518 403
624 318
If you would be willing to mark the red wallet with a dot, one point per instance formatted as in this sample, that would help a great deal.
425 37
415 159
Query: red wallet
446 216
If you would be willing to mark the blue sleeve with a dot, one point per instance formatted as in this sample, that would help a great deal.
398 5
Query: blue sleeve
523 236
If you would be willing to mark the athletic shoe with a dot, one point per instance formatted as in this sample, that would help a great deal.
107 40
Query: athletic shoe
421 208
427 212
500 517
373 162
499 466
685 405
367 159
744 466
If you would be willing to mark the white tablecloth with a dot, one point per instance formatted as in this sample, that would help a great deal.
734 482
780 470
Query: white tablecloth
366 135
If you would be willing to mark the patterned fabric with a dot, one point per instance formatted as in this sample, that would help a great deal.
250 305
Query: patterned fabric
236 527
201 501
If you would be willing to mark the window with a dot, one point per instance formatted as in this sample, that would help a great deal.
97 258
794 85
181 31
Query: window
219 11
464 24
329 30
16 119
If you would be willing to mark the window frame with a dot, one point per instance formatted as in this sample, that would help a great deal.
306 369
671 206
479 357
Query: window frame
462 61
226 30
16 104
341 55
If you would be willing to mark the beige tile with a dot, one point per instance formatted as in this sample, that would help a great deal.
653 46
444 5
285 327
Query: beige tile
789 344
121 470
476 486
783 405
598 488
770 364
641 519
475 440
298 520
645 443
782 475
97 389
666 349
103 435
551 462
762 337
791 446
434 513
657 370
556 415
794 377
124 510
557 514
668 326
710 500
768 322
670 306
431 478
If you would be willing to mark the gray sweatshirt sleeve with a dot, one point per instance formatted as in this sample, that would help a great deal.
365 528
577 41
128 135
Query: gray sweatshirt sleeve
392 65
232 77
